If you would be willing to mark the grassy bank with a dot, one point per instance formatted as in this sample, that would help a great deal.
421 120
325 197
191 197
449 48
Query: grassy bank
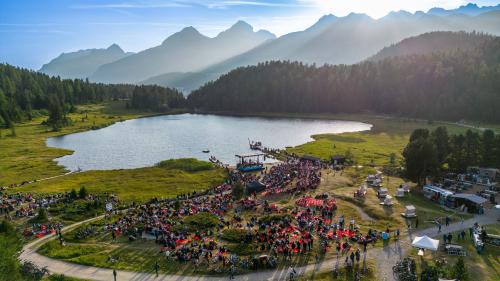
133 185
25 157
374 147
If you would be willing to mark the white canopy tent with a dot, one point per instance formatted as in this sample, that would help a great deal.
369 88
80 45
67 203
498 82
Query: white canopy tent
424 242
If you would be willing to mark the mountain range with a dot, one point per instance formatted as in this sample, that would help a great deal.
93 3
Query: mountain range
184 51
187 59
83 63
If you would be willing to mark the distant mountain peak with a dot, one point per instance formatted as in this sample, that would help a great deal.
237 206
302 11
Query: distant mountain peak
190 30
399 13
327 19
358 16
241 26
115 47
470 5
186 34
471 9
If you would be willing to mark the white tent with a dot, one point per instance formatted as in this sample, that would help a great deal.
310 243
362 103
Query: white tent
424 242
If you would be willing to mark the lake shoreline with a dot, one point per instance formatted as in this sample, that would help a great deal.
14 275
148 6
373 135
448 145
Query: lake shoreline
143 142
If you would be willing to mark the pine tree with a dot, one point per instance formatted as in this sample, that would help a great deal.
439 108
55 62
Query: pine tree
460 271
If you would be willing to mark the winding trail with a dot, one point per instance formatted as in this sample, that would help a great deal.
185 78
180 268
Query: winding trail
385 258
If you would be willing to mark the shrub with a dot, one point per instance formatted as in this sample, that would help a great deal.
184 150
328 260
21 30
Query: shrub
242 249
238 191
278 217
235 235
201 221
32 271
82 193
460 271
7 228
405 270
186 164
41 217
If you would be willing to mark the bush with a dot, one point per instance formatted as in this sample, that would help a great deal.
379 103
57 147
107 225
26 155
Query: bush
429 273
235 235
82 193
238 191
32 271
186 164
405 270
460 271
242 249
7 228
275 218
201 221
41 217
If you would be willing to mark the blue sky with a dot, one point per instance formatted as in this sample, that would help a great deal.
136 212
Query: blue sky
35 31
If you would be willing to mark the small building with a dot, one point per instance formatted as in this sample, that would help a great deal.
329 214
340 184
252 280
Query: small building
382 193
438 194
410 212
400 192
337 160
472 202
387 201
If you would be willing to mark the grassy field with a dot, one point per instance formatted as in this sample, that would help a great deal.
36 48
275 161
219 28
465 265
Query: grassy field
25 157
132 185
388 135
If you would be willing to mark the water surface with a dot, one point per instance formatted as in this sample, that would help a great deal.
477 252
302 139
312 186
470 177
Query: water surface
146 141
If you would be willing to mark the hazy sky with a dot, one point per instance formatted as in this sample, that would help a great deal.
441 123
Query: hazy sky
35 31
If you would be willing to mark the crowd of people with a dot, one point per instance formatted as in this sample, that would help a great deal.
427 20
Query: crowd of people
275 234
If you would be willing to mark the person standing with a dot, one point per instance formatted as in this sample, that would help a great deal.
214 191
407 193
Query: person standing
157 267
416 223
114 274
231 276
439 227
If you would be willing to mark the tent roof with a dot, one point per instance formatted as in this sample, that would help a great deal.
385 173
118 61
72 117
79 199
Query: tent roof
424 242
471 197
410 207
255 184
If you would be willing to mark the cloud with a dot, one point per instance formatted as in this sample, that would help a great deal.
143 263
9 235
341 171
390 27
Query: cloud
135 5
232 3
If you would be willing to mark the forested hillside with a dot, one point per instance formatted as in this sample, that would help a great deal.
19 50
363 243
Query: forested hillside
456 85
432 42
25 94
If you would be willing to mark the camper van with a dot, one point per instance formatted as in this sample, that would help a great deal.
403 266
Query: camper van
438 194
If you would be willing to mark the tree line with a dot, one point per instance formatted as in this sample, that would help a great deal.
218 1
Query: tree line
432 153
26 94
454 85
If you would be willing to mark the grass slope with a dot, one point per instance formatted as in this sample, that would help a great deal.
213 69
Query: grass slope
133 185
25 157
388 135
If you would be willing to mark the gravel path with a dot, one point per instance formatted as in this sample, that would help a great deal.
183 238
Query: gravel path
385 258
